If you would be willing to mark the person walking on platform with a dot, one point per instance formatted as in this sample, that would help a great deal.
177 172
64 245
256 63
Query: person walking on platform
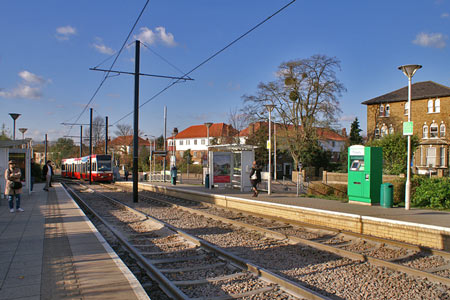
13 187
255 178
47 173
173 174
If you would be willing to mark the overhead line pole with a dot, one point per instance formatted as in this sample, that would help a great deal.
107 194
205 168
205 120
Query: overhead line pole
136 122
90 148
106 135
81 140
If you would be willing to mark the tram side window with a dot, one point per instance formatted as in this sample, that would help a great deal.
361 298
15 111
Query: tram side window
63 167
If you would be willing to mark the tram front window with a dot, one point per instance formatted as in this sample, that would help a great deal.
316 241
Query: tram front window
104 166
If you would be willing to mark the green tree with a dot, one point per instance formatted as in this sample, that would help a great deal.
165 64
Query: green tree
4 136
355 138
63 148
395 152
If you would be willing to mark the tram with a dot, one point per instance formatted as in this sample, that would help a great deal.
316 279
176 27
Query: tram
79 167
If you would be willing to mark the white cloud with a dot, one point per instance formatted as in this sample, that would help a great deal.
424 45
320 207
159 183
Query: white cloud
445 15
65 32
434 40
103 49
347 118
30 87
151 37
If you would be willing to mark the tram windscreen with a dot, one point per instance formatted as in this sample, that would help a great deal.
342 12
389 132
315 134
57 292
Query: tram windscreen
104 166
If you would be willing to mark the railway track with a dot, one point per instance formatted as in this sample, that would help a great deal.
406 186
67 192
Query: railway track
184 266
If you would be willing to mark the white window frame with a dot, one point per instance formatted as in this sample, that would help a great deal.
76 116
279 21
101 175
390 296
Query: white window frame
442 156
188 142
203 142
437 106
425 131
391 130
181 143
407 108
387 111
195 142
431 157
384 131
381 110
422 156
442 130
430 107
434 131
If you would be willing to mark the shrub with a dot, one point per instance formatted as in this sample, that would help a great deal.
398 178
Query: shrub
433 193
399 190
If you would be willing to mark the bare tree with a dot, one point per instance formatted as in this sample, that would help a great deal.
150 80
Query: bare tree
305 93
239 120
123 130
98 131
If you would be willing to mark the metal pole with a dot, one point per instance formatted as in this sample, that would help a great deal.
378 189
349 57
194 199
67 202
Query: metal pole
90 147
165 141
269 183
275 150
106 135
81 141
45 148
408 167
136 123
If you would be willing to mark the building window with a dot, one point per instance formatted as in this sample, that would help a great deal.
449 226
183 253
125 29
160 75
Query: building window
384 130
425 131
203 141
406 108
421 156
431 157
442 130
377 132
437 105
430 106
381 110
195 154
442 157
391 129
388 110
195 142
433 130
333 144
181 142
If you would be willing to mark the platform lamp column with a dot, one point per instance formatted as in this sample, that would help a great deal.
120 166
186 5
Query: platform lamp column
90 146
45 151
23 130
270 107
14 116
208 125
81 140
106 135
409 71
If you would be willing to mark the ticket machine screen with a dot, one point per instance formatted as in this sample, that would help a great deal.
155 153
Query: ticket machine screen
357 165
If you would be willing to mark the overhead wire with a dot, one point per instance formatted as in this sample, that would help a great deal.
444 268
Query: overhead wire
112 65
210 58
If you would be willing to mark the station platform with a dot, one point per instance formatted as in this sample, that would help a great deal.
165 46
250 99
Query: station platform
421 227
52 251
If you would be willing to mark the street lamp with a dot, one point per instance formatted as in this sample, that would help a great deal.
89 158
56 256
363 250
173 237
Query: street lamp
270 107
208 125
23 130
14 116
409 71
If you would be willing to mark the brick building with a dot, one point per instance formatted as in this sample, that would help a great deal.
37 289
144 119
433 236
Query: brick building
430 113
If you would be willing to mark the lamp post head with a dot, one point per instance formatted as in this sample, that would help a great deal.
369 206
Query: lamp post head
409 70
14 116
23 130
208 124
269 107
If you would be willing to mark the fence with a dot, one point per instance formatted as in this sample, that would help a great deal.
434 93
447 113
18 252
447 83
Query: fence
342 178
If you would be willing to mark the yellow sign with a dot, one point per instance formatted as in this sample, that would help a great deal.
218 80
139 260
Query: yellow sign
268 145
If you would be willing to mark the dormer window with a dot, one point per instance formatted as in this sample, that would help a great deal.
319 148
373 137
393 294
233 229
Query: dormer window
437 105
430 106
388 110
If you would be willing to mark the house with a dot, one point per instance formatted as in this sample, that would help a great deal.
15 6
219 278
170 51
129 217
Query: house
194 138
124 144
430 113
328 139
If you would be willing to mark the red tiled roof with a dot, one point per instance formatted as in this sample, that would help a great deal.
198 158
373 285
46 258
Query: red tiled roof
322 133
200 131
127 140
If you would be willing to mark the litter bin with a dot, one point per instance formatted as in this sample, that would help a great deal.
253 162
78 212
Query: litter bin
207 181
386 195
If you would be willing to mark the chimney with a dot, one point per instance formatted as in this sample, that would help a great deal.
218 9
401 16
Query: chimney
344 132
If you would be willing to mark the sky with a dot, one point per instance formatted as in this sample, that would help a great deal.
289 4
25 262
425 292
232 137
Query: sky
47 48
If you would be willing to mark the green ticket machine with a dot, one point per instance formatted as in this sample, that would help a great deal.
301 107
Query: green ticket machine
365 174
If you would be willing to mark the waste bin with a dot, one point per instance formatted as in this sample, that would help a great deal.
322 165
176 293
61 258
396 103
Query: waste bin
207 181
386 195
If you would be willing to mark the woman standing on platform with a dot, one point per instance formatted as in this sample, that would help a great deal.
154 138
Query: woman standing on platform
13 185
255 178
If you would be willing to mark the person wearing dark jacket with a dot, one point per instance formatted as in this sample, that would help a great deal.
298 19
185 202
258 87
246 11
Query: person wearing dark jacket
255 178
47 173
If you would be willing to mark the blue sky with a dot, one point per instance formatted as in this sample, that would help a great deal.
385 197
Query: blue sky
47 48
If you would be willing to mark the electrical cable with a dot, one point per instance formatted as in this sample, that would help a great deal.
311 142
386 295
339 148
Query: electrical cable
210 58
112 65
